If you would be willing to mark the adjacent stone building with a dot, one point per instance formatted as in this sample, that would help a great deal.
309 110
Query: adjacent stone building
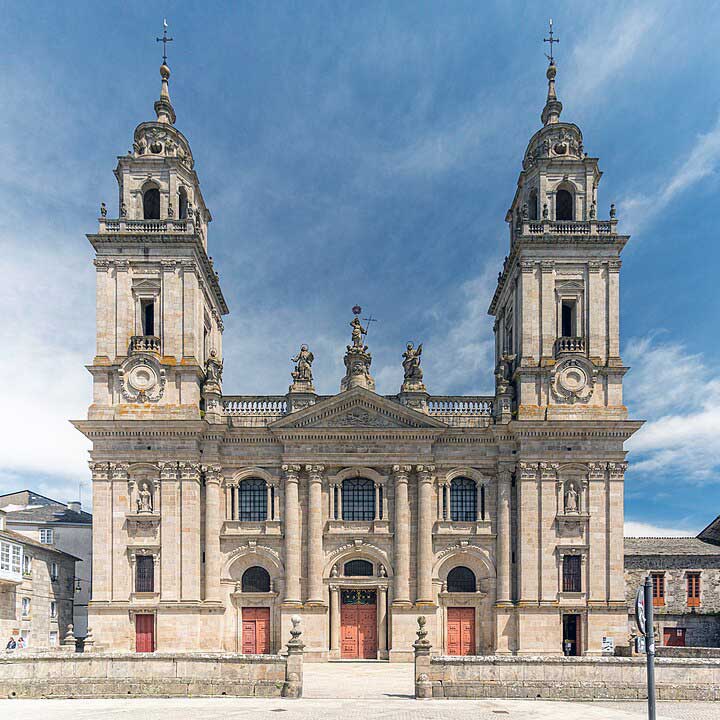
218 517
685 575
36 590
64 527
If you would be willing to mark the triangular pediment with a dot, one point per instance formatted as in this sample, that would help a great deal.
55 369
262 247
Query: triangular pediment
357 408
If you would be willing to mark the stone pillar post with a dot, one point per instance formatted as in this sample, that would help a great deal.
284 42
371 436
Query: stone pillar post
613 341
335 619
268 502
212 532
423 685
315 535
382 622
424 534
378 511
292 535
402 536
294 663
503 536
190 575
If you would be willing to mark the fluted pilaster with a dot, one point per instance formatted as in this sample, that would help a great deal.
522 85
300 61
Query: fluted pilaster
292 534
402 535
315 534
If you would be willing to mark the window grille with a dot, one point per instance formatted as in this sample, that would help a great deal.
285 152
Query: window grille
46 536
255 579
693 589
356 568
358 597
54 571
144 574
252 500
658 588
572 580
461 579
463 500
358 499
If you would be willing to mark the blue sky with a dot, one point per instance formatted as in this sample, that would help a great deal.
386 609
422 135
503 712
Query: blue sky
365 153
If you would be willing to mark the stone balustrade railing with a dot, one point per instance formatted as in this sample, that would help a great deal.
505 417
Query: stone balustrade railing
266 406
144 344
168 225
460 405
569 227
569 345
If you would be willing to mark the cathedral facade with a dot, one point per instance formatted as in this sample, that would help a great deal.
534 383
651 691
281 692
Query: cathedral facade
218 517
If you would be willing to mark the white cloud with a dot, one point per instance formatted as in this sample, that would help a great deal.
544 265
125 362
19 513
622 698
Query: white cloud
701 162
679 396
641 529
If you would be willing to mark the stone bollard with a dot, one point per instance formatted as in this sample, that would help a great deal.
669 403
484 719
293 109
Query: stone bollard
89 642
423 685
68 642
294 665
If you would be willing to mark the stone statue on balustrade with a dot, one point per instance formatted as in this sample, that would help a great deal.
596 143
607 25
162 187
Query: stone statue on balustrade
357 358
358 334
413 380
302 374
144 500
213 370
503 374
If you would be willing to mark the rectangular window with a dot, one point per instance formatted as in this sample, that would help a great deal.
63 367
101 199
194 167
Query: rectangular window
54 571
53 638
572 581
26 607
46 536
144 574
147 316
658 588
53 609
16 559
27 565
568 321
5 556
693 589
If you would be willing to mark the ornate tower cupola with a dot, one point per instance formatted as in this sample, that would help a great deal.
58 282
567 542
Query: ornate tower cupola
557 300
159 303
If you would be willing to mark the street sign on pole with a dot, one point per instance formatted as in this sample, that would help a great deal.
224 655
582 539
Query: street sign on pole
649 632
640 609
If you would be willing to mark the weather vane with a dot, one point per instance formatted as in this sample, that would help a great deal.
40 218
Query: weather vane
551 40
165 40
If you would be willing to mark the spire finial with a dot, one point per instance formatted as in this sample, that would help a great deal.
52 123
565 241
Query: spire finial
553 107
163 106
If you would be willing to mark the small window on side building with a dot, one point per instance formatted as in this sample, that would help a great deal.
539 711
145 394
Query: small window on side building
693 589
658 589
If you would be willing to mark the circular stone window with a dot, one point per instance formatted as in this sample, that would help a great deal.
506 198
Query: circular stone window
142 378
573 379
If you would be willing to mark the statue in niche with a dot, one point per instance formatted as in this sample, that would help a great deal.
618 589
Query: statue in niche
382 572
571 499
213 369
303 365
334 571
144 500
358 333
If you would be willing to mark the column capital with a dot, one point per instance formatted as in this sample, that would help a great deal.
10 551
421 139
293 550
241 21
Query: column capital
615 265
119 471
189 471
213 473
315 472
528 471
504 475
549 471
292 472
100 471
426 472
547 266
401 472
596 471
617 470
168 470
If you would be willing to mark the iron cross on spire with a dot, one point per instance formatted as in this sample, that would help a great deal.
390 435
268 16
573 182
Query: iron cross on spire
165 40
551 40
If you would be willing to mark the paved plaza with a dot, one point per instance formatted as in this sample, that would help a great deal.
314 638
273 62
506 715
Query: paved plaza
346 690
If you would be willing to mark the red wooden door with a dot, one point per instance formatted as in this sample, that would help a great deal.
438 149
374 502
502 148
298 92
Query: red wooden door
256 631
674 637
358 624
144 633
461 631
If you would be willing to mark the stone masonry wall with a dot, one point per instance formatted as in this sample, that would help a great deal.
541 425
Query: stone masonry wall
161 675
569 678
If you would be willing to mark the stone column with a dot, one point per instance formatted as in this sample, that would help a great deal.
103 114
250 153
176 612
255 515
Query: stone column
382 622
212 532
335 619
503 541
527 532
190 553
402 536
613 323
292 535
547 299
102 530
170 524
377 502
315 535
424 534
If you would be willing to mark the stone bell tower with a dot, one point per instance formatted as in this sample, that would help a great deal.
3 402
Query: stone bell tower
556 305
159 303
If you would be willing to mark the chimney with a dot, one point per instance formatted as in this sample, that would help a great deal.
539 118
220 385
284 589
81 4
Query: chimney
75 506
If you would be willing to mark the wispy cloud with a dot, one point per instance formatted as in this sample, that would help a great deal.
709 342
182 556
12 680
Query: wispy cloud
679 394
634 528
702 161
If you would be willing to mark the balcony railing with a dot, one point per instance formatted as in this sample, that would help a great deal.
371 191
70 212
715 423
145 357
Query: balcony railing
146 226
462 410
144 344
566 345
568 227
254 410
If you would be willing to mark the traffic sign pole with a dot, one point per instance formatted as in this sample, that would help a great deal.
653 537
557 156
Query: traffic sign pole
650 647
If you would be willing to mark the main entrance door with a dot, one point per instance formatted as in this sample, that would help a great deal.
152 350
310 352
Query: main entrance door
571 635
461 631
255 630
144 633
358 624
